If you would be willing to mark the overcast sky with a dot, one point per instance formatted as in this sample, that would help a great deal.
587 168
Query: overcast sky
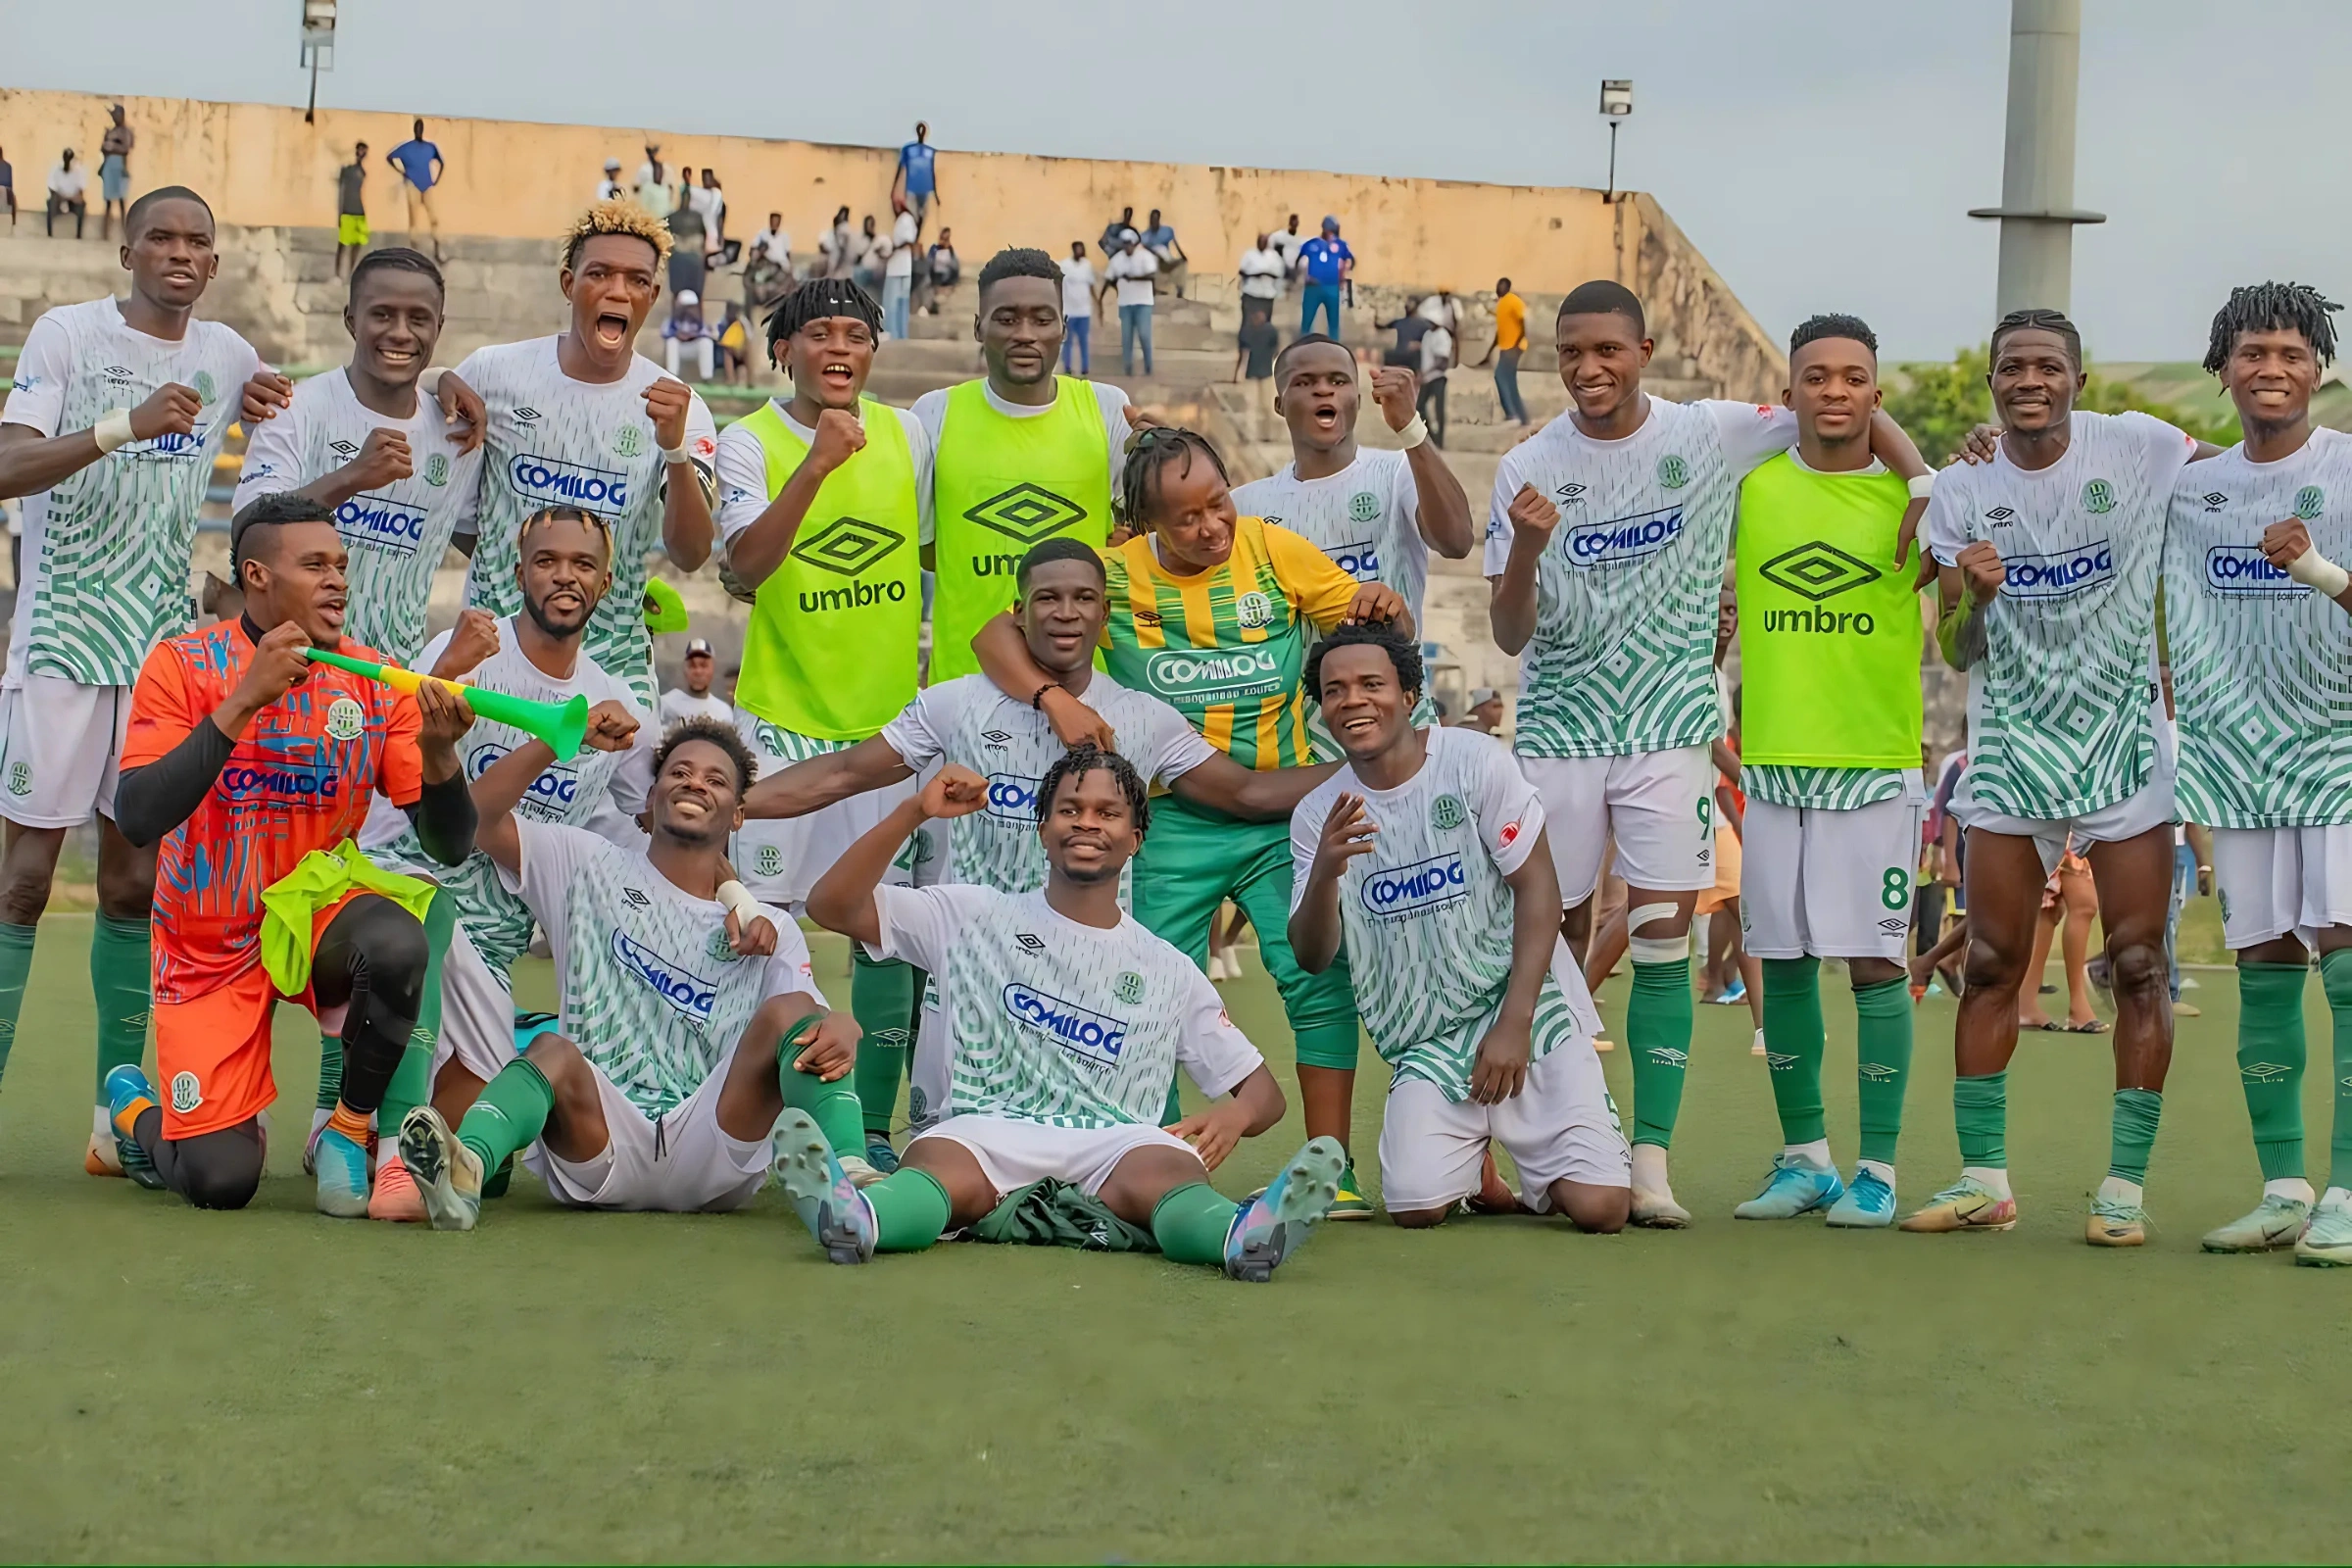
1823 158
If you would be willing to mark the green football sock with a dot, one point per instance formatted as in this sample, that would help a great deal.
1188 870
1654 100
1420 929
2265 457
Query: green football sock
1882 1063
2335 978
833 1106
119 959
16 966
1658 1031
330 1071
1795 1043
508 1115
1980 1117
2136 1116
882 998
413 1080
910 1210
2271 1057
1191 1223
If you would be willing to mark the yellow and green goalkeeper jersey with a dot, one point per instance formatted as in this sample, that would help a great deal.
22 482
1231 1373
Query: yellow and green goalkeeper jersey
1227 648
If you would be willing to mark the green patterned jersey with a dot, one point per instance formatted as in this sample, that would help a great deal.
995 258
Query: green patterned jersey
1427 911
557 441
1056 1022
1623 656
1824 788
395 535
2262 667
649 990
107 547
2058 708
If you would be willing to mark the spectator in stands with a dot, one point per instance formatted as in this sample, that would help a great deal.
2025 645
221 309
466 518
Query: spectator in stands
8 187
916 185
1079 290
114 170
1160 238
837 247
687 261
1486 711
68 194
940 269
1437 358
732 334
421 167
1507 349
1111 240
767 267
897 273
1255 343
609 188
1263 270
350 209
1325 262
686 332
692 696
1409 327
1131 272
1288 241
652 182
1443 310
772 241
712 201
869 253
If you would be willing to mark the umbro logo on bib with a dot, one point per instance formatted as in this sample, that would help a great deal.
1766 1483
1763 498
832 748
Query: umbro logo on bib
1027 513
849 546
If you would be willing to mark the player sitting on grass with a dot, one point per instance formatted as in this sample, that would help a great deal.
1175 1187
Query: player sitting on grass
1426 856
1068 1021
686 1009
255 768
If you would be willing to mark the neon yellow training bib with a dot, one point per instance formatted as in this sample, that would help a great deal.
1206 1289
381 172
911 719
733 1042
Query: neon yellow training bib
830 650
998 485
1830 630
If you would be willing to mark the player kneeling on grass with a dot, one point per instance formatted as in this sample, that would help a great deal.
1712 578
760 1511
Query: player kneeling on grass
1068 1021
253 767
1427 856
688 1017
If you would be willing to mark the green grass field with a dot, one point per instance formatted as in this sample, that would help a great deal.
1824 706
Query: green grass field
273 1385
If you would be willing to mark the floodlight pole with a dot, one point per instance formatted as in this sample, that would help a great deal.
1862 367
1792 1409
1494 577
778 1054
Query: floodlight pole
1610 195
2038 212
310 116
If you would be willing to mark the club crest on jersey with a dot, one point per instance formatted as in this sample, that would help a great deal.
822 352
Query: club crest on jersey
1673 472
1027 513
436 469
2098 497
345 718
1013 799
770 861
1078 1030
1363 506
2061 575
719 947
187 1093
1447 813
1621 541
205 387
2310 502
689 995
2243 572
549 479
1413 890
1128 987
1253 611
380 523
628 441
1361 560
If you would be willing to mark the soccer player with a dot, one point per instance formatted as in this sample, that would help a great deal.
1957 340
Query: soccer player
969 722
567 569
255 768
401 474
1376 514
2260 664
1021 455
581 418
1606 543
826 494
1425 858
108 433
1069 1020
1213 611
689 1015
1827 605
2047 561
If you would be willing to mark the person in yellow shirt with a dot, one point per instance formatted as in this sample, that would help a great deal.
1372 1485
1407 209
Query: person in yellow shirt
1213 613
1510 343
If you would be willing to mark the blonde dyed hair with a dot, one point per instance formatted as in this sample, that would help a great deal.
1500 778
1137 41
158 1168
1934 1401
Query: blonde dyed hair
617 218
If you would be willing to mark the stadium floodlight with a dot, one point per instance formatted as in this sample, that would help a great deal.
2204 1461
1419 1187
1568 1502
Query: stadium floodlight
1616 102
317 47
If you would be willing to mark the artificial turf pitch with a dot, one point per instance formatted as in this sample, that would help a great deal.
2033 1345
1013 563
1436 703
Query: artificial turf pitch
274 1385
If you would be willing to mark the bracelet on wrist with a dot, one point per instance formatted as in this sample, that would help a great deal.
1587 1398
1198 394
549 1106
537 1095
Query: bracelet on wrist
1036 698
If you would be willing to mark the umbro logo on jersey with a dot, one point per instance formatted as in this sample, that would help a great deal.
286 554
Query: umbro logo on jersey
637 900
343 448
2001 516
117 372
1571 495
1147 617
849 546
2214 499
1818 571
1027 513
527 415
996 737
1030 942
1895 928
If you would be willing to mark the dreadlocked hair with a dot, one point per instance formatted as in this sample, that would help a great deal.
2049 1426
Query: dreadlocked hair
1833 325
1019 261
1157 447
617 218
1087 757
1404 653
815 300
2033 319
2272 307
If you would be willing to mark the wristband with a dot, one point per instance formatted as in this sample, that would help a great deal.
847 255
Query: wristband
1037 697
112 431
1921 484
1414 433
2320 574
675 455
428 380
738 900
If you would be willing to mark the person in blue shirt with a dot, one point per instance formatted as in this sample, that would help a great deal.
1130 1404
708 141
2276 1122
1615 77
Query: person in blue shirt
1160 238
917 181
1325 262
420 170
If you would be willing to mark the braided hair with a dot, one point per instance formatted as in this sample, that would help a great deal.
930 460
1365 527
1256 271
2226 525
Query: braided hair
2271 308
2031 319
1157 447
815 300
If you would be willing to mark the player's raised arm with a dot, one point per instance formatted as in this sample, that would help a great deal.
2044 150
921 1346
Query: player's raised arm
843 899
757 549
611 728
152 799
1531 517
688 440
817 782
35 456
